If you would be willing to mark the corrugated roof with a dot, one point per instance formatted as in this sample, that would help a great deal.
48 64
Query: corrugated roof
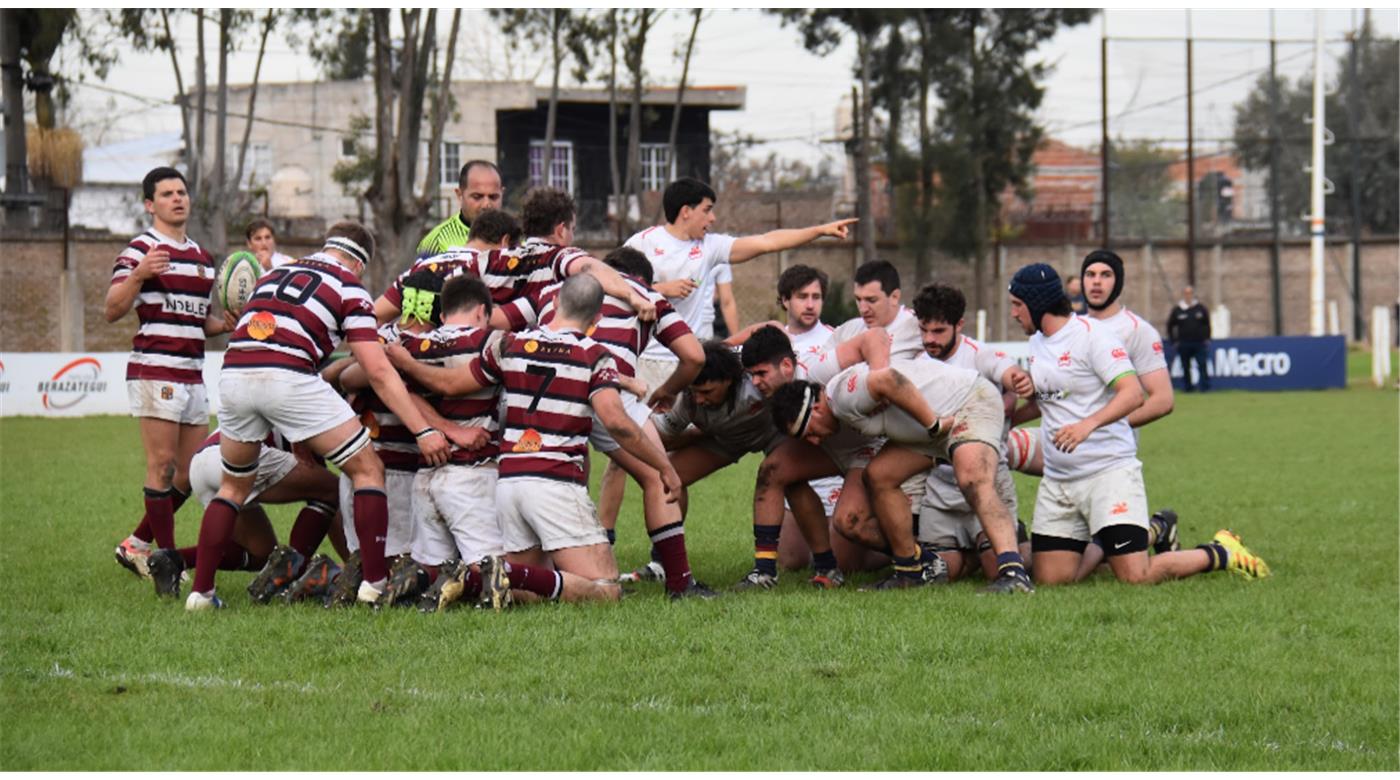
127 162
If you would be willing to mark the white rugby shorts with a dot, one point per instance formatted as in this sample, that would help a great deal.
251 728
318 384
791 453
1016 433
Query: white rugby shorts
953 525
299 406
1079 508
207 468
654 372
546 513
398 486
603 441
454 514
172 401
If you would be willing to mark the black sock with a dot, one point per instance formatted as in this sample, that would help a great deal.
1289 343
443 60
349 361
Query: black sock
765 548
1219 556
908 567
612 535
824 560
1010 562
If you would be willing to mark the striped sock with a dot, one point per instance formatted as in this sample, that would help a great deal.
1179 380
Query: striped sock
908 567
1011 563
1218 555
765 548
546 583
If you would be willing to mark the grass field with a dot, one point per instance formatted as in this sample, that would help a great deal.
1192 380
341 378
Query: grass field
1212 673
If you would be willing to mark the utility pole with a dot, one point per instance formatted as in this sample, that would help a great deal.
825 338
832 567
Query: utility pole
1358 323
16 166
1190 162
1276 249
1103 142
1318 222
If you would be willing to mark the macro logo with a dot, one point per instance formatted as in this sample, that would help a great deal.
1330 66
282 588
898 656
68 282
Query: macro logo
72 383
1233 362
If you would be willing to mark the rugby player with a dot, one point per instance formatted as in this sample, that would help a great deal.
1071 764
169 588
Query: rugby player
947 523
1086 387
261 240
556 379
479 189
787 470
875 287
492 229
286 475
170 280
927 411
296 317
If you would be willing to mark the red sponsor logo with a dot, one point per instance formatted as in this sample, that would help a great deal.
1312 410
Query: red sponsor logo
999 354
658 251
1119 353
1120 508
72 383
1157 347
1064 360
851 383
695 251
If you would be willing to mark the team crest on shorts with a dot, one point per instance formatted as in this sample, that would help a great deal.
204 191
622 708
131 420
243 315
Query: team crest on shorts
166 392
531 346
529 442
262 325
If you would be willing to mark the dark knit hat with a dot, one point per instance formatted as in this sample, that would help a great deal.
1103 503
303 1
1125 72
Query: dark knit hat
1112 260
1039 287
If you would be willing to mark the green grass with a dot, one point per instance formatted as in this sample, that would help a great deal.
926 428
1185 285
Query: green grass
1211 673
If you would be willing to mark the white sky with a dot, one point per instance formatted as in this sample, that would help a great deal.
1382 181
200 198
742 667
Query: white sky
793 94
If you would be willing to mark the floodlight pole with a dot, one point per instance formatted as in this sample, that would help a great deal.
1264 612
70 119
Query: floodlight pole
1276 248
1103 123
1190 162
1318 221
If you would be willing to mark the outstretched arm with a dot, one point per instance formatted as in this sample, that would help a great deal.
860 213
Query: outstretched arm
749 247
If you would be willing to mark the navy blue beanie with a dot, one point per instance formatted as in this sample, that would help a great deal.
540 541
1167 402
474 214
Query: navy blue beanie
1112 260
1039 287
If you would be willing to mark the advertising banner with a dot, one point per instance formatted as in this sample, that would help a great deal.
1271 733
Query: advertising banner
68 384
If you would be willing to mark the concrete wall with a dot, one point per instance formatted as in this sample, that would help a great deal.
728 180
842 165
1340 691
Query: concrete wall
32 282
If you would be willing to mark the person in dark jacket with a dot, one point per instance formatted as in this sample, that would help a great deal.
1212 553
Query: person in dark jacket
1188 329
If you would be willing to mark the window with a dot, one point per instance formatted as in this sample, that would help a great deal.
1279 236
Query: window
347 146
451 163
658 169
561 164
257 166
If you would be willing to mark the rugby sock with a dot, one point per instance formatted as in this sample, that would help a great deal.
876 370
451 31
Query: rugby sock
472 587
612 535
214 534
824 560
160 517
668 542
546 583
765 548
1218 555
372 526
236 558
1011 563
909 567
310 527
143 529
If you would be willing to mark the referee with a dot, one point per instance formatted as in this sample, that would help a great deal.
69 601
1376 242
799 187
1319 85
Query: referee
480 189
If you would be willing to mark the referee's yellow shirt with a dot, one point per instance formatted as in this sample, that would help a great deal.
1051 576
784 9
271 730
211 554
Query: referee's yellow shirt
451 232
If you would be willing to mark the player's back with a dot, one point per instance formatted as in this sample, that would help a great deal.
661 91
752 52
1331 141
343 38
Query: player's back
298 315
456 346
526 269
618 327
549 378
445 265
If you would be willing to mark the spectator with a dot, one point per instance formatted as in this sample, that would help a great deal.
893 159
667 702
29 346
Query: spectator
1075 293
1188 329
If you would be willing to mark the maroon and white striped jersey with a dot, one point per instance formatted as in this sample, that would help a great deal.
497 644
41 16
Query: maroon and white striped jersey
299 314
549 379
455 346
452 263
618 328
171 308
526 269
393 442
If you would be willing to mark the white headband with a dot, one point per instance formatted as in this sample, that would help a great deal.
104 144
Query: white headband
804 415
348 247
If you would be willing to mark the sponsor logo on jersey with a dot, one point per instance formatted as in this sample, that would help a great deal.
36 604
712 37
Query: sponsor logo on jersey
1120 508
262 325
695 251
658 251
1119 354
1064 360
424 345
185 306
529 442
1157 347
72 383
512 263
851 383
532 346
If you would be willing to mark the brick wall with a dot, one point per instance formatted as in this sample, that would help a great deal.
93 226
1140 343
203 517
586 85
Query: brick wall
30 271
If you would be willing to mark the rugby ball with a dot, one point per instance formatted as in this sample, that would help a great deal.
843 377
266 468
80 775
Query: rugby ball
237 280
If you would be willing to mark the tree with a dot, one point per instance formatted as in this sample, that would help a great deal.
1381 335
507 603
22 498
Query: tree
637 26
1143 205
671 150
1377 176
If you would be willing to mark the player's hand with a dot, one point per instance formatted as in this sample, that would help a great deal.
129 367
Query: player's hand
661 403
434 448
397 355
634 385
230 322
645 309
1020 382
672 482
676 288
473 438
838 229
155 263
1070 436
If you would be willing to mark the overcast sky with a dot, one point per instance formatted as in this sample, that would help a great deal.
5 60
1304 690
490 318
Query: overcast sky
793 94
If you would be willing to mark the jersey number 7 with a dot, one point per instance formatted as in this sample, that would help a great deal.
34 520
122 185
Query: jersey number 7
548 373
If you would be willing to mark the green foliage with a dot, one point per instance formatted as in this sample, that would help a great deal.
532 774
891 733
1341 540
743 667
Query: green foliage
338 39
1213 673
1378 128
1143 204
355 173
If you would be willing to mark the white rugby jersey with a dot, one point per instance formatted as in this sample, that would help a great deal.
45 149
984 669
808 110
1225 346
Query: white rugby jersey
1073 371
941 488
945 387
1143 342
672 258
905 339
811 342
718 275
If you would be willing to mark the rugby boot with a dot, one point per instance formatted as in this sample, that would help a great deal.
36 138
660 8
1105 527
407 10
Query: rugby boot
406 584
932 571
347 583
495 584
283 567
371 594
1242 561
757 580
198 602
827 579
1163 524
315 582
166 566
1011 581
652 572
134 554
696 590
451 581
